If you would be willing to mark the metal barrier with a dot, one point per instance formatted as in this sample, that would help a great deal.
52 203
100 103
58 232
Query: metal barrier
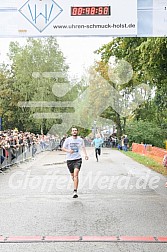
16 155
11 156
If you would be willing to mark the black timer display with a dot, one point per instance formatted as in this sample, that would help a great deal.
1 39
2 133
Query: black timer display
91 11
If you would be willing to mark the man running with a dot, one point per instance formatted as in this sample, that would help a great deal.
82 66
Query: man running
97 142
72 146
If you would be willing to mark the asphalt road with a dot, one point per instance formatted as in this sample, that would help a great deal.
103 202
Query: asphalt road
117 197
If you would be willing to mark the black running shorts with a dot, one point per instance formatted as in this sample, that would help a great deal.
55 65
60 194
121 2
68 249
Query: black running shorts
72 164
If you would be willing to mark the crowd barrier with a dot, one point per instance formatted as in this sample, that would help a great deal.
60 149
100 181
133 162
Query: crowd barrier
148 149
16 155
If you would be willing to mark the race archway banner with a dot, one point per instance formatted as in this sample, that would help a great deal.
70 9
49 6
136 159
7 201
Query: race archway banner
42 18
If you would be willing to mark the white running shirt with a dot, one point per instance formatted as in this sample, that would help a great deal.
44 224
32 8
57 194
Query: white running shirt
74 144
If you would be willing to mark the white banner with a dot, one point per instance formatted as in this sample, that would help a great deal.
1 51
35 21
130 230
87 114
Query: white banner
160 18
37 18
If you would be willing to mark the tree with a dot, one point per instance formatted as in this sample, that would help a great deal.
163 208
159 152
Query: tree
147 56
8 98
145 132
156 71
34 69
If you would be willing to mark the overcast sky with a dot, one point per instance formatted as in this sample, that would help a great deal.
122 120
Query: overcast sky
77 51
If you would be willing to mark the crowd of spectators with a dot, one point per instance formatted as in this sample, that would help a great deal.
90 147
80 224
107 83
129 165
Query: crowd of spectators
114 142
14 143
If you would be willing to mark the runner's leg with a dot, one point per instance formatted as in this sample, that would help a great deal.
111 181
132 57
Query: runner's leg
76 179
96 153
72 176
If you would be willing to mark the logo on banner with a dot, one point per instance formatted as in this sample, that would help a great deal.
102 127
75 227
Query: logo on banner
40 13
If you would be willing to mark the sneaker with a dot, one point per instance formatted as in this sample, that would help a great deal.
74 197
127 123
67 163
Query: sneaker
75 195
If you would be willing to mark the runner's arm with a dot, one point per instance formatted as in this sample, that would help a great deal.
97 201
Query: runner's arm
65 148
84 151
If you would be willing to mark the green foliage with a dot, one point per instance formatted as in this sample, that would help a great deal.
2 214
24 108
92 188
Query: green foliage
8 98
145 132
147 57
27 81
37 56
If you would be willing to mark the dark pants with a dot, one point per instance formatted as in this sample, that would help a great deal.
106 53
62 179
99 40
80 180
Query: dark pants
97 152
125 147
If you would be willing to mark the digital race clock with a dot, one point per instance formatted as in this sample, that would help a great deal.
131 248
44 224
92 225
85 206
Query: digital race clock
91 11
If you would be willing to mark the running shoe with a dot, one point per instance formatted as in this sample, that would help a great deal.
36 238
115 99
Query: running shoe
75 195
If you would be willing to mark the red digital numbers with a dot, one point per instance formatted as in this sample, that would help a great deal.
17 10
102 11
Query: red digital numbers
74 11
100 10
80 11
91 11
105 10
87 11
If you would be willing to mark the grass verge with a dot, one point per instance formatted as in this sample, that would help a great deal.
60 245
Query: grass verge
147 161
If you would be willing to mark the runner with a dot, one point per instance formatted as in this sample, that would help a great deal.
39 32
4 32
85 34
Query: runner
97 142
72 146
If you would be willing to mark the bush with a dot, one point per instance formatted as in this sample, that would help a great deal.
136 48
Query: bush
146 132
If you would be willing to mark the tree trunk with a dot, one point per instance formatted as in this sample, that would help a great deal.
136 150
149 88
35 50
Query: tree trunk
118 126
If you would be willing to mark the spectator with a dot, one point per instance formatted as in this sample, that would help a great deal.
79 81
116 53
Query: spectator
125 141
62 141
122 142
